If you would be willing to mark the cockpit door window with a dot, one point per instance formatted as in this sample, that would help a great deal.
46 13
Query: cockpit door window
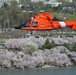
35 23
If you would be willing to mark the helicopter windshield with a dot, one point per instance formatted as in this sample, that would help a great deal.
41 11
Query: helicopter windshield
28 23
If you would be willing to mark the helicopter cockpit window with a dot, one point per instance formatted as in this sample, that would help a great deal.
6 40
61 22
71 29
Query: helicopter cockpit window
34 23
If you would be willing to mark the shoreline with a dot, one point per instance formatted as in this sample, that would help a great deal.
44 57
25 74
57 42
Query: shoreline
40 68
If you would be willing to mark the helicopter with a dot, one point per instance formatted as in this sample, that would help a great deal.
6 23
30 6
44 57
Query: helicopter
45 21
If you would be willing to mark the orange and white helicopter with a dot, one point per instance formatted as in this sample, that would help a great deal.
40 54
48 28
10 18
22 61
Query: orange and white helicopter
45 21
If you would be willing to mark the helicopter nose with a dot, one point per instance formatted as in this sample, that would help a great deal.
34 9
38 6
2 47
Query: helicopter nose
17 27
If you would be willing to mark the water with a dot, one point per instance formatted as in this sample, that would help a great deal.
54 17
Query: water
50 71
1 47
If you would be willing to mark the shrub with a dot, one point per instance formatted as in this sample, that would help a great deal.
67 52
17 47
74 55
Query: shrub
29 49
47 45
71 47
66 45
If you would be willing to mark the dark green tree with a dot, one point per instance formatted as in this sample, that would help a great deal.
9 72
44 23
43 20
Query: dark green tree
47 45
5 5
14 3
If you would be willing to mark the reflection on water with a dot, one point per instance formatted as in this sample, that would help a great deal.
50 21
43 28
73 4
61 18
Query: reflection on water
50 71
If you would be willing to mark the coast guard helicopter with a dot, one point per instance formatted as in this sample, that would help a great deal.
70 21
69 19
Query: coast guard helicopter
45 21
